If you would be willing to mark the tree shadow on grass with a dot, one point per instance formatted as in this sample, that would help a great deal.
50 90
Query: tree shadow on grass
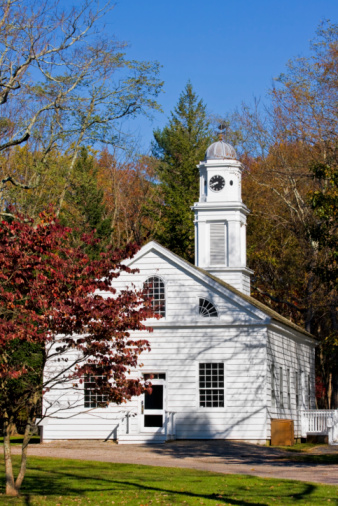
18 440
59 483
239 452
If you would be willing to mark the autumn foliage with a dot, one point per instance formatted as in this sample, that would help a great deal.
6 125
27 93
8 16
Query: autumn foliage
290 151
53 299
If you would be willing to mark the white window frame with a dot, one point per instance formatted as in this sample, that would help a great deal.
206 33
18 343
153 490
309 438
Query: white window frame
273 386
226 241
95 395
281 387
165 293
297 377
288 388
210 408
209 299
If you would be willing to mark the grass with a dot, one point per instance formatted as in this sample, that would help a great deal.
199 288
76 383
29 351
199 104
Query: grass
303 449
329 459
67 482
17 440
299 447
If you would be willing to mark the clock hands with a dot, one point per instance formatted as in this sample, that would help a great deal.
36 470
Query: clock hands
216 183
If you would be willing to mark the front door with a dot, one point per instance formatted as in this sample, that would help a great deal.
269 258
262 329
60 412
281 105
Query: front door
153 406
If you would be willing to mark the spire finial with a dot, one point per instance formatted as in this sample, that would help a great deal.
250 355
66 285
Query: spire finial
222 127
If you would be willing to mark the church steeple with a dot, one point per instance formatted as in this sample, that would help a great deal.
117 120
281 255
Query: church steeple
220 218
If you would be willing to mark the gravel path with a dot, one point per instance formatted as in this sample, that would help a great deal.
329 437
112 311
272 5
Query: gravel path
217 456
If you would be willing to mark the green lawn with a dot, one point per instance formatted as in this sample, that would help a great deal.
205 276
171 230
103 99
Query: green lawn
303 456
66 482
17 440
300 447
329 459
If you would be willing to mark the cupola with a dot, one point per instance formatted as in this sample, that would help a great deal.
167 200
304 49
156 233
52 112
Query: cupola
220 217
220 150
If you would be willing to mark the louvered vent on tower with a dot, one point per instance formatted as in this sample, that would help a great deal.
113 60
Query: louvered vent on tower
217 243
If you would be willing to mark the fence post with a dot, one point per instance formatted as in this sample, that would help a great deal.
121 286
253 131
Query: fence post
304 424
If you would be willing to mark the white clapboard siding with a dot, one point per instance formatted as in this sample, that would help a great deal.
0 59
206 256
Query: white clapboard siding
182 385
180 287
240 338
290 353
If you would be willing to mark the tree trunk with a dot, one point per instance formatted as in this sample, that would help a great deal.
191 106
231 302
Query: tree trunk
24 449
10 486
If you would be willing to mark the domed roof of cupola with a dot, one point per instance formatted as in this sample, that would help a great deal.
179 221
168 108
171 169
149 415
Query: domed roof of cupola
220 150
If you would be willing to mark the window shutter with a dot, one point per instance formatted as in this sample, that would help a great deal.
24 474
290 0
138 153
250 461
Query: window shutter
217 243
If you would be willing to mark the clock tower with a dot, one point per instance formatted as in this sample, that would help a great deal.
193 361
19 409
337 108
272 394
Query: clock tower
220 218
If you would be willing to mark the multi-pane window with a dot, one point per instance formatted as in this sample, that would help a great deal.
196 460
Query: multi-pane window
281 393
154 375
154 289
93 396
211 385
297 388
273 386
207 309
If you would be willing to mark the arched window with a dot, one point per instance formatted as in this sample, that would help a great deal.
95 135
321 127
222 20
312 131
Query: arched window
154 288
207 309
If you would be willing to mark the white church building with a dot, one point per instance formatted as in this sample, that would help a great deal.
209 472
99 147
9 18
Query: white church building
222 364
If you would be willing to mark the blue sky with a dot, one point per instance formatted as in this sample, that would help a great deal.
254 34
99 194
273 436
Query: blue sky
230 50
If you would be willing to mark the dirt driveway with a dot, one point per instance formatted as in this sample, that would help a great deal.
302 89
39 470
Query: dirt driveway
217 456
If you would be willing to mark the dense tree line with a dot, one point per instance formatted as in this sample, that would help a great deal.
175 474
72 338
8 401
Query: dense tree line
178 148
65 83
290 151
49 158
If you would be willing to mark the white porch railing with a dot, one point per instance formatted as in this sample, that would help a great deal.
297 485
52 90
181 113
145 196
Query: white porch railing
321 422
127 416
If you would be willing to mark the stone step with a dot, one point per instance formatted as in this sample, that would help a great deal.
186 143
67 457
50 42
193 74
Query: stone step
143 438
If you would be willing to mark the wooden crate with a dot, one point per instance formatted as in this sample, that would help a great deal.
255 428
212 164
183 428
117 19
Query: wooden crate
282 432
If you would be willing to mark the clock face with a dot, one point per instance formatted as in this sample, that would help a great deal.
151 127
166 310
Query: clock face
216 183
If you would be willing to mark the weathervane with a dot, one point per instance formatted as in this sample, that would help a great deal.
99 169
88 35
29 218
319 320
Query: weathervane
222 128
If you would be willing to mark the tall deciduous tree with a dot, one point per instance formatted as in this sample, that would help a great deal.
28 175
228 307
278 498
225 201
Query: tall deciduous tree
63 83
51 303
84 210
179 147
291 156
128 187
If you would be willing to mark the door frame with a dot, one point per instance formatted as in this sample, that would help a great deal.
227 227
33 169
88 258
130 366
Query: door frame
143 411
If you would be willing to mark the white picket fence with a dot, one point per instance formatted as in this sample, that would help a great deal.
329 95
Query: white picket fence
321 422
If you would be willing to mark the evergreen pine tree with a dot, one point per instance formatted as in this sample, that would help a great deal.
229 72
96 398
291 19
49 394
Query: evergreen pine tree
179 147
85 210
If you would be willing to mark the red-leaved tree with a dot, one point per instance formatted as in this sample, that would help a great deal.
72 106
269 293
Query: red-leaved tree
58 306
